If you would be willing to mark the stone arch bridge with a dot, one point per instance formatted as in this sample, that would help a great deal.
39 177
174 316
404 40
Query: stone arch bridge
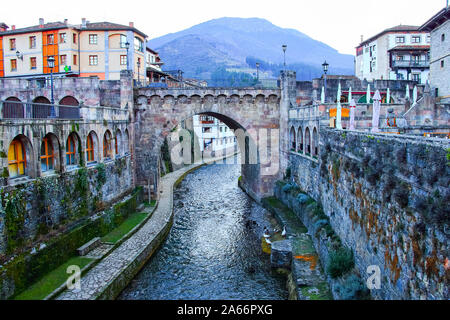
157 111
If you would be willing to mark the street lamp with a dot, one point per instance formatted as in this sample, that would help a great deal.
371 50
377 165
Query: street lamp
257 72
51 65
138 65
325 70
127 45
284 52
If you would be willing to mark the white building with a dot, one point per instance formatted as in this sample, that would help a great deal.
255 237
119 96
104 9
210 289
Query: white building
213 134
398 53
439 26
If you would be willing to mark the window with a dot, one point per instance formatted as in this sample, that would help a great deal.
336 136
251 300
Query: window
443 37
123 40
93 60
63 59
116 145
400 58
415 39
74 59
123 60
400 39
90 148
13 65
47 155
50 39
442 64
138 44
32 42
33 63
107 145
70 153
16 158
62 38
92 39
206 129
12 44
74 38
428 38
416 77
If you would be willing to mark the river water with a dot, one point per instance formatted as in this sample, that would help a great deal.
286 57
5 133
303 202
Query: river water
213 250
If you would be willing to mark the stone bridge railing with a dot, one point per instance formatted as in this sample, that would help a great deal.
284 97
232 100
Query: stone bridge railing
213 95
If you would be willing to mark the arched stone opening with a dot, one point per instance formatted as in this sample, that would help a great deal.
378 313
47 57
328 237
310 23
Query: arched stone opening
92 148
308 142
73 151
300 140
12 108
50 154
292 140
21 157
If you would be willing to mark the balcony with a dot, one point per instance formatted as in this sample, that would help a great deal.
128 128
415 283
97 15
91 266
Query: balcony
411 63
24 110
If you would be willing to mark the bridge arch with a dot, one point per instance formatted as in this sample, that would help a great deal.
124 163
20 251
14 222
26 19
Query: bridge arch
253 118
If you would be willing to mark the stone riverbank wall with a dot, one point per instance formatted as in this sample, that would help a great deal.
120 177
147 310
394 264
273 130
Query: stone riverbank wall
386 198
44 220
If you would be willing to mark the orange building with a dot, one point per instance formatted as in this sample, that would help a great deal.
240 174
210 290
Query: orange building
88 49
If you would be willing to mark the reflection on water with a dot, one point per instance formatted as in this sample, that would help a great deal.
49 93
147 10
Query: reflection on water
214 248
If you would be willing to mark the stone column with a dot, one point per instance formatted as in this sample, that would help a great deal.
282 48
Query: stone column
126 89
127 102
288 99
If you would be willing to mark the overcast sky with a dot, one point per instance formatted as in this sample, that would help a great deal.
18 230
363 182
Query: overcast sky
339 24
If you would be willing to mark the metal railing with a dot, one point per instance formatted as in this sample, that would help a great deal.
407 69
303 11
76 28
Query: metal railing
31 110
411 63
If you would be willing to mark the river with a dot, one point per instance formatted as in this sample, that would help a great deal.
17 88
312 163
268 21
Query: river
213 250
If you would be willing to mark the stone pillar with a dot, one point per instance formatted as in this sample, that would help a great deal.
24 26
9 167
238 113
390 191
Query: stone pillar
127 102
126 89
288 99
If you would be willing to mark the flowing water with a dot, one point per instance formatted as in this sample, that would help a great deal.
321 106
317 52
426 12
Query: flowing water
213 250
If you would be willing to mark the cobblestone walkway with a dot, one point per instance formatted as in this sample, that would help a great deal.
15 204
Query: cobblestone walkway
111 267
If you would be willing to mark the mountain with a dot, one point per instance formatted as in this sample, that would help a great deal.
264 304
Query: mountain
230 42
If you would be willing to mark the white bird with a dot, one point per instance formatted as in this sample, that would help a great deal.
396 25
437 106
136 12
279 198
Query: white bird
268 241
283 233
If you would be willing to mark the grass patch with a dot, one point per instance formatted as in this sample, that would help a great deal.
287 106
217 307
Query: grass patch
133 220
52 280
319 292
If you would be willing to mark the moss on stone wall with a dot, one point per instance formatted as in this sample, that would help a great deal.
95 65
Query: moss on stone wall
14 204
27 268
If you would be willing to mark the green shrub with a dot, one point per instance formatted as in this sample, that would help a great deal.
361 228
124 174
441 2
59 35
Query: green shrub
340 262
353 289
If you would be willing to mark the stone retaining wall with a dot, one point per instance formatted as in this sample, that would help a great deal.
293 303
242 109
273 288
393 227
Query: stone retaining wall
387 199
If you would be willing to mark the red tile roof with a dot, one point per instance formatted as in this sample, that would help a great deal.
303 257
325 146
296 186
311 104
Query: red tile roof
399 28
60 25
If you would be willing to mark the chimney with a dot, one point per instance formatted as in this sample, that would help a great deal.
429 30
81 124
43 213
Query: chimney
13 27
83 22
362 38
66 21
131 24
41 22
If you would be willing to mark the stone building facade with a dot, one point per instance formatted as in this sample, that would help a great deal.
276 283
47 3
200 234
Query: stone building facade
439 26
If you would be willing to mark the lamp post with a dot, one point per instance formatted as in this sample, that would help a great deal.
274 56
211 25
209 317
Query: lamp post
325 70
51 65
127 45
138 65
284 53
257 72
